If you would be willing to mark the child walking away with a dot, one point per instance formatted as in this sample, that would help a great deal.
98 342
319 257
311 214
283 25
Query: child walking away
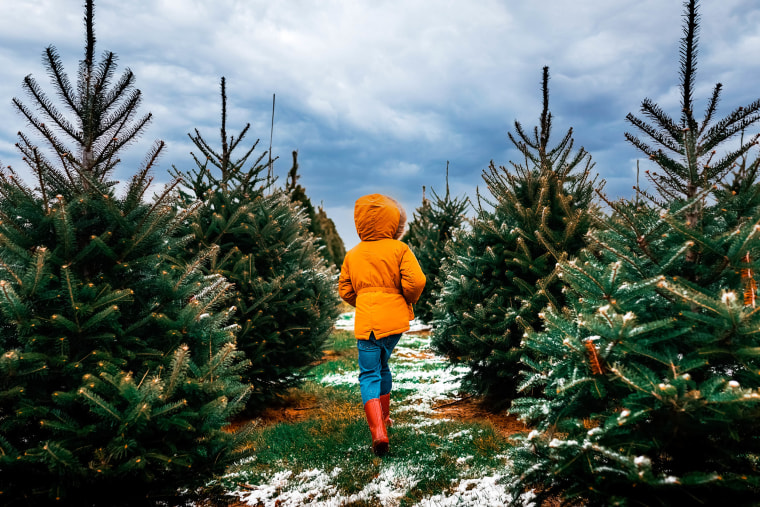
380 277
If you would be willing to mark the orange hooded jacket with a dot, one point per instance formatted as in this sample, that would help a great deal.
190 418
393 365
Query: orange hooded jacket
380 276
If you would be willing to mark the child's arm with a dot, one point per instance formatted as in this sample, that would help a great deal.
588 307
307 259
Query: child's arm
345 287
412 278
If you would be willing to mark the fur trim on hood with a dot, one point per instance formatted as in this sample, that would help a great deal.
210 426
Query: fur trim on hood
401 220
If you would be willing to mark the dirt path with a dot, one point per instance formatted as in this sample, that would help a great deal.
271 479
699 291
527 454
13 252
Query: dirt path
472 410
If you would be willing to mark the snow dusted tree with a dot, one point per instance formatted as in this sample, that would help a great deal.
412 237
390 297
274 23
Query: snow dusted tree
284 293
499 275
113 387
651 385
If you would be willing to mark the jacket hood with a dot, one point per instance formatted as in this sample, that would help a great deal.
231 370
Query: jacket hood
376 217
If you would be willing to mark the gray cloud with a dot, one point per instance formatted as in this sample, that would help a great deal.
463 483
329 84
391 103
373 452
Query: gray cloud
377 96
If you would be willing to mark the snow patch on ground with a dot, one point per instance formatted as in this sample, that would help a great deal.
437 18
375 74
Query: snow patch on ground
314 487
335 379
285 490
482 492
429 388
345 321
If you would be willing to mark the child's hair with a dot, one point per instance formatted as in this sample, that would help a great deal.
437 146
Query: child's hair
401 220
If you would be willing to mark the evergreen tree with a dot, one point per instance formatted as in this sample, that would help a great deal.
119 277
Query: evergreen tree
284 294
651 378
327 232
432 226
114 388
330 243
502 273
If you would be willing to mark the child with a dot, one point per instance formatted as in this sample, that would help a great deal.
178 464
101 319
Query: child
382 279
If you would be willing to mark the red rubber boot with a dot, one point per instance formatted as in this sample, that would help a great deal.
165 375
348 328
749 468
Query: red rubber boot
385 403
374 413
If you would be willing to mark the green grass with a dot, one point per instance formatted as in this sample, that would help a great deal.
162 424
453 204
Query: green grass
427 456
341 341
337 366
342 355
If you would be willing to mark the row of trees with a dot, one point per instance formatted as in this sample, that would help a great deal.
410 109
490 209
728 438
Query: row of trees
134 330
625 334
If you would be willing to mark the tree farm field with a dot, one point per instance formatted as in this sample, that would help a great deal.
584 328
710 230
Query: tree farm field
315 448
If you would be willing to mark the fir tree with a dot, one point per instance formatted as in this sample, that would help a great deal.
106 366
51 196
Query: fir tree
327 232
114 388
284 294
502 273
434 223
651 385
330 243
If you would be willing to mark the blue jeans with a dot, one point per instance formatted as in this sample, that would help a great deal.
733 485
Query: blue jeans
374 375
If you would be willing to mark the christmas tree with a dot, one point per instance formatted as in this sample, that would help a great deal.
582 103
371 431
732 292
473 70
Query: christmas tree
115 378
433 224
651 375
284 294
326 231
502 273
330 243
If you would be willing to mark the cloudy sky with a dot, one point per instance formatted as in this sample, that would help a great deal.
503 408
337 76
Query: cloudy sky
377 95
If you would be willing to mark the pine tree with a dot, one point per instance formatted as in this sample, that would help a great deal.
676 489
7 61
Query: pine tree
114 387
327 232
433 224
331 244
284 294
502 273
650 378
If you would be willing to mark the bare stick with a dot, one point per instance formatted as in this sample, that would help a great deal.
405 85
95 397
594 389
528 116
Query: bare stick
271 133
